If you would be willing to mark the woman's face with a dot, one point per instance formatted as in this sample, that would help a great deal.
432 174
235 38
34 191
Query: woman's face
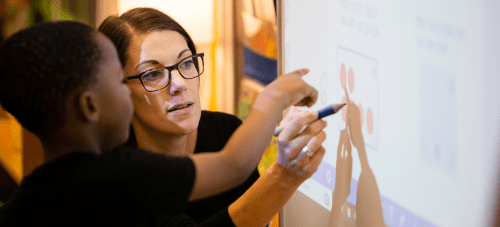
174 109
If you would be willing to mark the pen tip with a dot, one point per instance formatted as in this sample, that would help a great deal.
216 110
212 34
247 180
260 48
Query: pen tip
337 107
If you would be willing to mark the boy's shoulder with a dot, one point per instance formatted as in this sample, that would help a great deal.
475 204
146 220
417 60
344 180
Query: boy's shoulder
120 169
123 180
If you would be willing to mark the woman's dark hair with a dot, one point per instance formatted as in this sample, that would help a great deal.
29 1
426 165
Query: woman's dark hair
120 29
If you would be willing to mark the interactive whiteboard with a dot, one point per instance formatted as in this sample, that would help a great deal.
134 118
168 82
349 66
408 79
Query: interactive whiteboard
425 75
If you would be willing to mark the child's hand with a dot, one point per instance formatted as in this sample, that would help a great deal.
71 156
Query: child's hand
354 122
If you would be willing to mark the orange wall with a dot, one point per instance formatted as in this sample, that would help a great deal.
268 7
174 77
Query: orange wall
10 146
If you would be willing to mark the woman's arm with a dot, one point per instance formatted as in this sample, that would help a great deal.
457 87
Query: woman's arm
220 171
269 194
275 187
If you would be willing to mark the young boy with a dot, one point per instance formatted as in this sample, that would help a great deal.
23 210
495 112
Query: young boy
63 82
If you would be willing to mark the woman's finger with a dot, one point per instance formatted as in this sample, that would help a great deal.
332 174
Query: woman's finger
291 113
305 155
310 94
305 136
314 127
310 97
295 125
298 72
315 161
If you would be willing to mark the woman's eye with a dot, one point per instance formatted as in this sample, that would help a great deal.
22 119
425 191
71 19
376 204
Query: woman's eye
152 76
186 64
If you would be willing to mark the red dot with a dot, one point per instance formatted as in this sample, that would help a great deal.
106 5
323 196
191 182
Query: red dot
361 114
344 109
369 121
351 80
342 76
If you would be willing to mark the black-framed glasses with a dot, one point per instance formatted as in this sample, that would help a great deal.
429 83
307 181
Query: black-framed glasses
159 78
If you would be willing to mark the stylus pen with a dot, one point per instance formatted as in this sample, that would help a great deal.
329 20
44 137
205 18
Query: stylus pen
327 111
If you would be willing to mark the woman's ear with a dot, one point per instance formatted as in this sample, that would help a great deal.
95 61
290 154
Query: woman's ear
88 106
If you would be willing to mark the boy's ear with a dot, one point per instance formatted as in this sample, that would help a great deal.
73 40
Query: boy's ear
88 106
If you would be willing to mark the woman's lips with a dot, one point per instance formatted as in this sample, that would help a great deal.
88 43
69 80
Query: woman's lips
181 109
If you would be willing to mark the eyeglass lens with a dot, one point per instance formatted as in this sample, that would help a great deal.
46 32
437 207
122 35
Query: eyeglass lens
157 79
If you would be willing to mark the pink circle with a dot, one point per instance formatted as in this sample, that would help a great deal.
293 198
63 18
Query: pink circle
361 114
369 121
342 76
344 109
351 80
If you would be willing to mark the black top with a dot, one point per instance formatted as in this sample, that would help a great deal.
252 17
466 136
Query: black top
214 131
221 219
123 187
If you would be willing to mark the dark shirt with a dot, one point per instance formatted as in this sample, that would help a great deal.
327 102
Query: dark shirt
122 187
221 219
214 131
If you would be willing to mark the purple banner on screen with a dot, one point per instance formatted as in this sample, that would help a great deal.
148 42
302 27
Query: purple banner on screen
394 214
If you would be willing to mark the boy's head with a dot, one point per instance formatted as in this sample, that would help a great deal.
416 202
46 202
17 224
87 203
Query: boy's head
64 76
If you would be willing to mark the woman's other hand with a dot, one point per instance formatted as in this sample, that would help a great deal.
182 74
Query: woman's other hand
299 144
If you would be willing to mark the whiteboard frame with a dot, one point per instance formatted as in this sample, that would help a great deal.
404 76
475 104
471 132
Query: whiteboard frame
298 203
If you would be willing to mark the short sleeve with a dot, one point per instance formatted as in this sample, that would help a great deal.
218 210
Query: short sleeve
220 219
156 184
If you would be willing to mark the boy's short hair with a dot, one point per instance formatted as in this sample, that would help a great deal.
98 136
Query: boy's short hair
40 66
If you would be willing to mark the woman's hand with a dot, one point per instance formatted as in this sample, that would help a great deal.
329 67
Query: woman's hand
287 90
292 167
299 146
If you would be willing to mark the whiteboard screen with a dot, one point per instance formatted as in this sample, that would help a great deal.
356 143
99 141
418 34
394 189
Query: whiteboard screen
425 75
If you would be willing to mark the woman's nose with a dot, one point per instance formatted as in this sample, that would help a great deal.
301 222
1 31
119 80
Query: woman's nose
178 83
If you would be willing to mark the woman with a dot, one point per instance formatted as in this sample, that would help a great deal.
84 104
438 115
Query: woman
168 119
